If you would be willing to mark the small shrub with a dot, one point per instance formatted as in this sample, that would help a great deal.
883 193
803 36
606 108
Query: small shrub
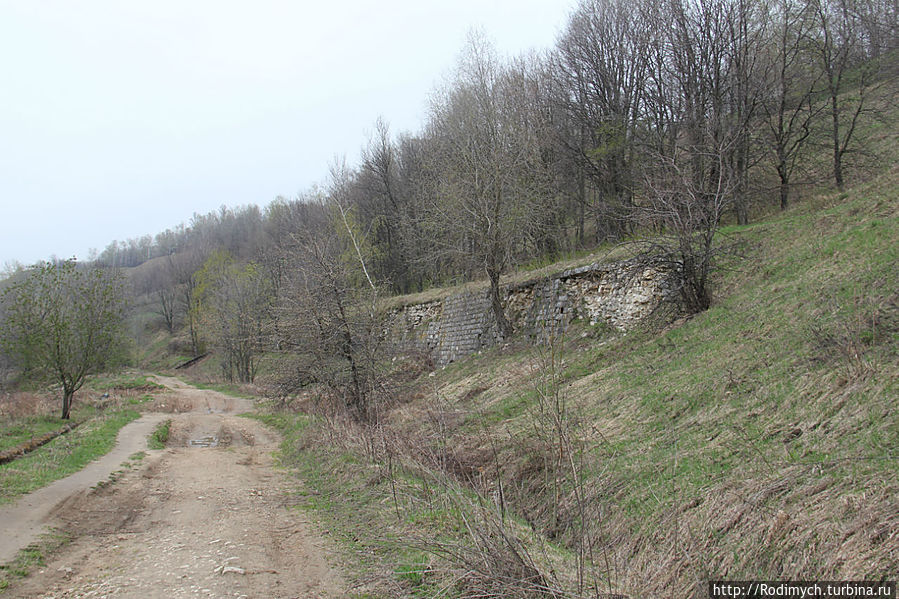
160 436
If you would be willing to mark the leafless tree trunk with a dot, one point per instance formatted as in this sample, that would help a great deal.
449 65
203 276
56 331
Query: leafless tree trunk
789 108
234 306
485 169
183 267
839 50
695 159
601 61
329 314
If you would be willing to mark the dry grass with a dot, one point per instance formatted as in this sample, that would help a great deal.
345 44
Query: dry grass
20 404
443 501
753 441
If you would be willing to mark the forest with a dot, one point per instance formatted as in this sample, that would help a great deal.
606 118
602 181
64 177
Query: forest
648 124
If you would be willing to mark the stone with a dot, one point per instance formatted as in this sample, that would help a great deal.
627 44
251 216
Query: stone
619 295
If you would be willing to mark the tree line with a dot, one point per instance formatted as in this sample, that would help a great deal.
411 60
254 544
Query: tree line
648 122
640 107
652 122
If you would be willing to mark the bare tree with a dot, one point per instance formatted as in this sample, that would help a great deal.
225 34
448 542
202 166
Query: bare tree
166 300
601 63
839 49
744 36
687 213
330 324
485 170
694 161
789 109
235 304
183 267
879 20
384 207
155 279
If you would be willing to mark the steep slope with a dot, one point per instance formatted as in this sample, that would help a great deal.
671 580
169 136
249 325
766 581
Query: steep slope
756 440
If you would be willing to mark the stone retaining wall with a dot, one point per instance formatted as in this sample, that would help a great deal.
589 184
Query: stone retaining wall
618 295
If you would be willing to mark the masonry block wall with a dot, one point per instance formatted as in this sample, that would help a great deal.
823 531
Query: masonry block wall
619 295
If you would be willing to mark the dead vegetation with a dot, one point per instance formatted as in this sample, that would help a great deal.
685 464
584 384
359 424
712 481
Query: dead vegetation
519 517
755 440
19 404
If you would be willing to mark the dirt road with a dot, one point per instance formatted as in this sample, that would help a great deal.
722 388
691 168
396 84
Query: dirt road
206 517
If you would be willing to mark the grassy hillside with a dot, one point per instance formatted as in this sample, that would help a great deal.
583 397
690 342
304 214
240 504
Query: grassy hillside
756 440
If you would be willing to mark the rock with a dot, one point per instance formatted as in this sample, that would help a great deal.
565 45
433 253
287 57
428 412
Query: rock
620 295
233 570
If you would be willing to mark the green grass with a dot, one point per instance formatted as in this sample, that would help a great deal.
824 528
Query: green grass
64 455
31 557
413 571
133 461
160 436
15 431
754 440
802 337
231 389
155 350
385 521
124 381
757 438
136 401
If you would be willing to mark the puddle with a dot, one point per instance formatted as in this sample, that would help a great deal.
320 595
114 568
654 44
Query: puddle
204 442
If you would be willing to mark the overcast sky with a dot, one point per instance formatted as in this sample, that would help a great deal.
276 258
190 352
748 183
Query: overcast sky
123 118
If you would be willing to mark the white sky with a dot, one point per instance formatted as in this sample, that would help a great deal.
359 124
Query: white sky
121 118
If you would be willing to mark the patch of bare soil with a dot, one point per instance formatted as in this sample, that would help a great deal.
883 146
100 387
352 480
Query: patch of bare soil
206 517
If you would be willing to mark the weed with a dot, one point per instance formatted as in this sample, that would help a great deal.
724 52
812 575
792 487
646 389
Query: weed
160 435
415 570
754 439
126 381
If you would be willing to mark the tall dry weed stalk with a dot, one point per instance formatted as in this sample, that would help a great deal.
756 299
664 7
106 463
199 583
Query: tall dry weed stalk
498 556
574 508
489 551
491 559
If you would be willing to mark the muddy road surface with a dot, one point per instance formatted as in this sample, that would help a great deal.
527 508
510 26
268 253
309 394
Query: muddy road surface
206 517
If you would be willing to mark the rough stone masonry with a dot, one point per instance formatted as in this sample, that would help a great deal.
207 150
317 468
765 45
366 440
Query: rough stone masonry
620 295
